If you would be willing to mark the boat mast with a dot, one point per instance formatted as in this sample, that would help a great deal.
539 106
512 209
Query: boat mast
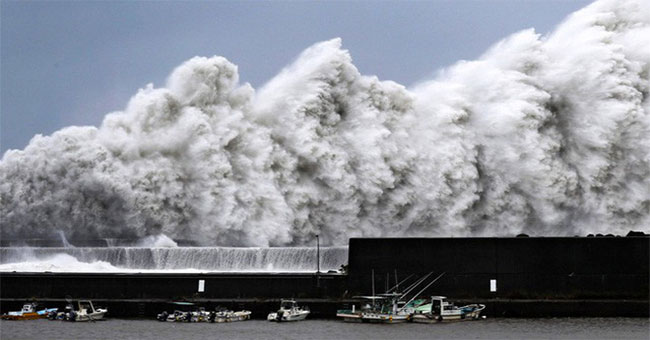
415 284
396 282
420 292
387 279
373 288
395 287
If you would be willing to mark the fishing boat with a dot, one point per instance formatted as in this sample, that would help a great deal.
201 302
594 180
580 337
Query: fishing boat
28 312
388 307
388 310
289 311
440 310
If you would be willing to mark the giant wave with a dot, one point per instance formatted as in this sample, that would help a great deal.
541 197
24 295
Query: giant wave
546 135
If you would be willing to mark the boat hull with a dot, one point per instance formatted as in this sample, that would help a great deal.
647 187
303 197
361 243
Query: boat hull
431 318
288 316
24 316
239 316
350 317
422 318
96 316
385 318
41 314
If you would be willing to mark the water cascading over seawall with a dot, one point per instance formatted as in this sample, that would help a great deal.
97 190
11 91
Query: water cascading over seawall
179 259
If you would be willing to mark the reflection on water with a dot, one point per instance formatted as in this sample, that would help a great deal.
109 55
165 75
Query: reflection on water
498 328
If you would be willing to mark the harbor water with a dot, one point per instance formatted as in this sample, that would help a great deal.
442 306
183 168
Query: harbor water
496 328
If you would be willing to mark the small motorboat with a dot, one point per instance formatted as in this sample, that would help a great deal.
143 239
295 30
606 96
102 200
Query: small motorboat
189 312
28 312
233 316
182 312
85 312
440 310
222 314
289 311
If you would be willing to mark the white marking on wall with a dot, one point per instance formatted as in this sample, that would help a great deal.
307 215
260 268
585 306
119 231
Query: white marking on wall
493 285
201 286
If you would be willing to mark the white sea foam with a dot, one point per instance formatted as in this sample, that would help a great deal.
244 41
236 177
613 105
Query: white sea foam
546 135
157 241
58 263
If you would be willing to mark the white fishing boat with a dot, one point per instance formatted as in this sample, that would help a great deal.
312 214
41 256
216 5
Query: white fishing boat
440 310
85 312
289 311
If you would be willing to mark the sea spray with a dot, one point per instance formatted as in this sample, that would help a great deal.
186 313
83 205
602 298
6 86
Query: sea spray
545 135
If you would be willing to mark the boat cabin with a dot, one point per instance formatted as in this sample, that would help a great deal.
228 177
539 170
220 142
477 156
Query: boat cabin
439 303
86 307
27 308
288 304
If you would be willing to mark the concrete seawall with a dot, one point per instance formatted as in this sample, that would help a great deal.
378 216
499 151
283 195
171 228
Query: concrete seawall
171 285
520 268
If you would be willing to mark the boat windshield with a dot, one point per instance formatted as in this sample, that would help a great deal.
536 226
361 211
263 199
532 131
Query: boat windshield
287 304
86 305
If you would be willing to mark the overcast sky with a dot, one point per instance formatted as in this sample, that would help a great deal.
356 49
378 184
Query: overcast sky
70 63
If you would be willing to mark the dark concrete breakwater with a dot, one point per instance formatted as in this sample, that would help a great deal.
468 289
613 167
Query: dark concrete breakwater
518 277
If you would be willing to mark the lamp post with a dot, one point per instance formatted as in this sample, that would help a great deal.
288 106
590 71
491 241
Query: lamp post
317 265
317 254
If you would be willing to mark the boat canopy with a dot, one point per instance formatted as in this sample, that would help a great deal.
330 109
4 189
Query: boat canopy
369 297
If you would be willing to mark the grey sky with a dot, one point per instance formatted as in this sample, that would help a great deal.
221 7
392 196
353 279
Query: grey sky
70 63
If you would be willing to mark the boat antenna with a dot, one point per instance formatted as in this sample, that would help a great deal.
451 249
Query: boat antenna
373 287
420 292
396 283
387 279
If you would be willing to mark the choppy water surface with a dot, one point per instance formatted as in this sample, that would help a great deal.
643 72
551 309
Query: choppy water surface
554 328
